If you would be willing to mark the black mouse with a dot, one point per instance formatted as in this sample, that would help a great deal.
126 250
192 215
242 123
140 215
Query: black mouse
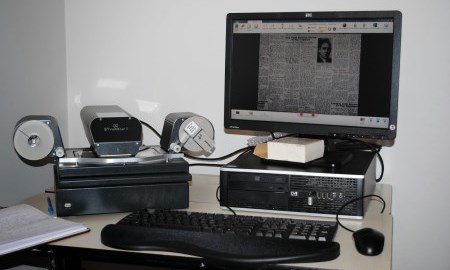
368 241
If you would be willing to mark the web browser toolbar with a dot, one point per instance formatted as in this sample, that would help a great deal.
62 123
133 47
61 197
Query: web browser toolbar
313 27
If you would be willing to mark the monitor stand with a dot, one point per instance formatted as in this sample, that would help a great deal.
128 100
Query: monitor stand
335 157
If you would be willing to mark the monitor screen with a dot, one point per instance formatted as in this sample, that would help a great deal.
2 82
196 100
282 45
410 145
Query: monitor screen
328 74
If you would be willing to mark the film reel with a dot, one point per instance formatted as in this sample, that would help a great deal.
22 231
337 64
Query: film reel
197 134
187 131
38 137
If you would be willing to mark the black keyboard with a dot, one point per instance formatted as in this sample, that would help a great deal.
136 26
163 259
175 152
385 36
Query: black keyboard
225 238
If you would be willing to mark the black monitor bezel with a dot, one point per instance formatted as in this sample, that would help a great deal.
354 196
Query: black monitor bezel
316 129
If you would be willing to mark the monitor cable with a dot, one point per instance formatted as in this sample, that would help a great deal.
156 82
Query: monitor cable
239 151
218 199
151 128
374 148
146 147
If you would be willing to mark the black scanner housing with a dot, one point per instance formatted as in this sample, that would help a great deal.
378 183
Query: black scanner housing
111 131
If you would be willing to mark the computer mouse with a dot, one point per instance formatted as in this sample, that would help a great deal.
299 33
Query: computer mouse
368 241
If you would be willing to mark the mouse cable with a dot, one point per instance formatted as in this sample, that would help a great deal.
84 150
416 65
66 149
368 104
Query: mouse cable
354 200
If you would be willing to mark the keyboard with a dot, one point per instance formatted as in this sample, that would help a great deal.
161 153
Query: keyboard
225 238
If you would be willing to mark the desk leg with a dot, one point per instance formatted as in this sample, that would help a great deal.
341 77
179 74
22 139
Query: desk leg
65 262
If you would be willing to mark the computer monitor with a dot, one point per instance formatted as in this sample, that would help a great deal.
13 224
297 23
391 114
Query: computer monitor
317 74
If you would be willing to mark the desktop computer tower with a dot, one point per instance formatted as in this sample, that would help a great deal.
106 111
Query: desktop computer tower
254 184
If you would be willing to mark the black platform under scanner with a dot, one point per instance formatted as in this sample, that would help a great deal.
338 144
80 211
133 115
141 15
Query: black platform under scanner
82 189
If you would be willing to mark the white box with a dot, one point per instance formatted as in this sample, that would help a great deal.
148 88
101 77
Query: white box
295 149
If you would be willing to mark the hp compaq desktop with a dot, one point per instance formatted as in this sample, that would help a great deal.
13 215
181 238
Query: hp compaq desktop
252 183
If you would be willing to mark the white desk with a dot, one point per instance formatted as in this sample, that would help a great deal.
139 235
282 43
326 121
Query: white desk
203 198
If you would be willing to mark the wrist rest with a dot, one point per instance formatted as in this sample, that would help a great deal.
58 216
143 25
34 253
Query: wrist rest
219 247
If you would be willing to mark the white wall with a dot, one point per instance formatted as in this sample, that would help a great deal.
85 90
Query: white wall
32 81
